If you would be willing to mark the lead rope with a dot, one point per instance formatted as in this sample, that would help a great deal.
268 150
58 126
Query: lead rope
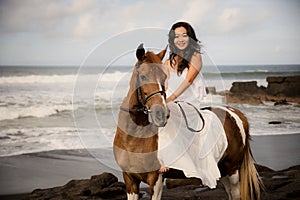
185 118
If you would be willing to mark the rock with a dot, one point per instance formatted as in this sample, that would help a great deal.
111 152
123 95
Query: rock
283 184
284 86
281 102
245 92
246 88
112 191
246 99
211 90
103 186
279 89
275 122
99 182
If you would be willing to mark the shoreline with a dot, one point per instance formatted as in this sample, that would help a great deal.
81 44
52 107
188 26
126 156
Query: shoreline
22 174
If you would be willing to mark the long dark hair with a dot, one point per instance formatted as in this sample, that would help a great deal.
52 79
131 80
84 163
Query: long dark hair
187 53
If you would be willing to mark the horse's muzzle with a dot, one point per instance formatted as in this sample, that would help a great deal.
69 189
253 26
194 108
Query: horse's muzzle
159 115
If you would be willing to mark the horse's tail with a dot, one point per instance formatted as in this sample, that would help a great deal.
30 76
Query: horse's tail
250 182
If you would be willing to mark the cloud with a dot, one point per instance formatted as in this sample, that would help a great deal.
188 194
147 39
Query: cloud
49 18
236 20
31 27
196 11
30 16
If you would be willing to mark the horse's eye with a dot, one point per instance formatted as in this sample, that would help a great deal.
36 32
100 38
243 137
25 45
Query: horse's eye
143 77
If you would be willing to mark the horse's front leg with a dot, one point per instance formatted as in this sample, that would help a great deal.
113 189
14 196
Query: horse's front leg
156 188
132 186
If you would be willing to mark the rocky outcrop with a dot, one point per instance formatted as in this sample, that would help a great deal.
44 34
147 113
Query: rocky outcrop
104 186
284 184
211 90
284 86
280 90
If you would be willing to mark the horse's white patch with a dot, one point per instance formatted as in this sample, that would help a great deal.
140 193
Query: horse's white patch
234 180
158 188
238 121
132 196
163 98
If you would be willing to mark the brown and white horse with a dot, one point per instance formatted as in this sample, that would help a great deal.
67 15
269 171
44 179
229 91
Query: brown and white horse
144 109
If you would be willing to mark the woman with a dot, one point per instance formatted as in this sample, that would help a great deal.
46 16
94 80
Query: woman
183 143
185 60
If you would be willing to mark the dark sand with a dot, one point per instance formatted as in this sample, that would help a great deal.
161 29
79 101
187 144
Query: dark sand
24 173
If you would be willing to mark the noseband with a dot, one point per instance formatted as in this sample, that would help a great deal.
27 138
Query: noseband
144 101
141 99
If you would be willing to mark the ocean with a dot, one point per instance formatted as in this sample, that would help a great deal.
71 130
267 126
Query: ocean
45 108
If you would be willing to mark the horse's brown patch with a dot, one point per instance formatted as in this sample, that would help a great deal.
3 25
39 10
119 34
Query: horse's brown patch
234 154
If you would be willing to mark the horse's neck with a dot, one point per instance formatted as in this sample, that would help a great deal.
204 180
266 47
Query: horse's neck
134 123
130 127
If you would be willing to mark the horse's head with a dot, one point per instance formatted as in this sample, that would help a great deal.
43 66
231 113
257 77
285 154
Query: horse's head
150 80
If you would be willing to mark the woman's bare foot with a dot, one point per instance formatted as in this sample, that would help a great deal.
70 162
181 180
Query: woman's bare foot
163 169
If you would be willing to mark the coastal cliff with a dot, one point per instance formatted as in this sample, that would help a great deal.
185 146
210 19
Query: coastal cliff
280 90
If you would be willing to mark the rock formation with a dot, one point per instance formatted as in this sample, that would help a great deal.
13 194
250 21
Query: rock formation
284 184
279 90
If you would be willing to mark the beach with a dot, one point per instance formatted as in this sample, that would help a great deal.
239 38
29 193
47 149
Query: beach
51 133
22 174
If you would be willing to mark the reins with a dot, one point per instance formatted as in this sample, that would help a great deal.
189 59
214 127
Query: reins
185 118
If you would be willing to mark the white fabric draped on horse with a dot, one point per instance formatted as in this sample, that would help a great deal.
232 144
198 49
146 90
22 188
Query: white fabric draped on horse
196 152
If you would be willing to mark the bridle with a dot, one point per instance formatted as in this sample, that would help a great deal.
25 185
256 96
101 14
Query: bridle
141 99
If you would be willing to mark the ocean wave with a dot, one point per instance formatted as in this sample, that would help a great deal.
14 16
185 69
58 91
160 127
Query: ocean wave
8 113
11 113
250 73
17 141
31 140
68 78
38 79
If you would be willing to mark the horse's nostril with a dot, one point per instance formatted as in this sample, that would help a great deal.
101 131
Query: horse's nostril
168 113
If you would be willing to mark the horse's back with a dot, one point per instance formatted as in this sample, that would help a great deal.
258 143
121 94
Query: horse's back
236 129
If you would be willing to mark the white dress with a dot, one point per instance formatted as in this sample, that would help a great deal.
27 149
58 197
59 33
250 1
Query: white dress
196 152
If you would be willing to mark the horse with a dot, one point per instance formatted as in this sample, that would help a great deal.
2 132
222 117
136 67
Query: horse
144 110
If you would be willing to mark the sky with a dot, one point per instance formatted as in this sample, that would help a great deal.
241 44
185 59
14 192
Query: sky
65 32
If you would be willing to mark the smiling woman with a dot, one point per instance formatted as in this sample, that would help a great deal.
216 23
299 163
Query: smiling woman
181 40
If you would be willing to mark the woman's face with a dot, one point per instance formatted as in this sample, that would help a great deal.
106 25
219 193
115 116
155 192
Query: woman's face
181 40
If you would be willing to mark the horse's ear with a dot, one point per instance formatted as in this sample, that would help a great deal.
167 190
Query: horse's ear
140 52
161 54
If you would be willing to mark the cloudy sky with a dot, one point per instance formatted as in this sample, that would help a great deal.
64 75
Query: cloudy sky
64 32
